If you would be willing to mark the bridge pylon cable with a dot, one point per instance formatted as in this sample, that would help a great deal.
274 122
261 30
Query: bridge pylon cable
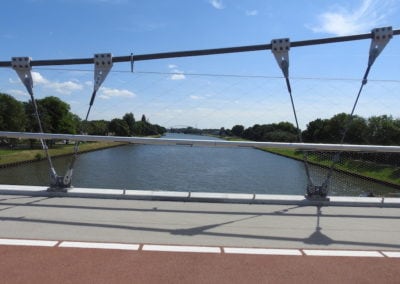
380 38
103 63
23 68
280 48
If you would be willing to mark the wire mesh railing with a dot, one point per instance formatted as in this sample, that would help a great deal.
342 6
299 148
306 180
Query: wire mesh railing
205 99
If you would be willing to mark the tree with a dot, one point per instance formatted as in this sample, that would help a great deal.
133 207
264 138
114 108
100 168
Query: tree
238 130
138 128
12 114
356 129
130 120
55 116
276 132
97 127
383 130
119 127
332 130
143 118
317 131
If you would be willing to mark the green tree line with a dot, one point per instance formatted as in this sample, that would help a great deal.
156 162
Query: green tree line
56 117
375 130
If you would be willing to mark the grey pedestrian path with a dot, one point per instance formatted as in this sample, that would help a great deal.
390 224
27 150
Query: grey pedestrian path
199 223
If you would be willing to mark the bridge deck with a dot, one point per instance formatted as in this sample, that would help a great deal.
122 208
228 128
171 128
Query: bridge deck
292 225
152 241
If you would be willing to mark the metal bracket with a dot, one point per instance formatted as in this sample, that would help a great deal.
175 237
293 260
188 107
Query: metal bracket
318 193
280 49
22 65
103 64
132 62
380 38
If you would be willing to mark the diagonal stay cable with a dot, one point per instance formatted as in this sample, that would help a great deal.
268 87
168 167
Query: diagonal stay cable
280 49
380 37
377 46
103 64
22 65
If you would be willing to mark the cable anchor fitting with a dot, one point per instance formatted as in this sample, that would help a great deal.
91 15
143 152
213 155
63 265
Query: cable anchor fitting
280 48
380 38
22 65
102 66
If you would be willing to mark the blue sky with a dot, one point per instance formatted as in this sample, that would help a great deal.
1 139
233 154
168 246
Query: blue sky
186 91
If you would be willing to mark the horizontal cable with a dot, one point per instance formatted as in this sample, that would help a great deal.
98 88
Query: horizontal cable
221 75
204 143
201 52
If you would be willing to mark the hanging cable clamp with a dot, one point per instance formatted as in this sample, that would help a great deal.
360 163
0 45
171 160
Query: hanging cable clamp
280 49
22 65
132 62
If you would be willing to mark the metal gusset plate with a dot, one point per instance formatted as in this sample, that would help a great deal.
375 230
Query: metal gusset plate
280 49
22 65
103 64
380 38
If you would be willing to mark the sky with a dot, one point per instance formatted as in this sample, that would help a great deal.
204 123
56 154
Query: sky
207 91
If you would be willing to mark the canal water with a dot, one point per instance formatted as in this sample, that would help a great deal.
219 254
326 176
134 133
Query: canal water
185 168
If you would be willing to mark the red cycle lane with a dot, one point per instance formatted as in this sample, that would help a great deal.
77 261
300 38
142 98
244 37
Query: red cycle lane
20 264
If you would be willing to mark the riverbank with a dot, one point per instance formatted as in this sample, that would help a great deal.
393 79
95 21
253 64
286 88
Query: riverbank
380 173
15 157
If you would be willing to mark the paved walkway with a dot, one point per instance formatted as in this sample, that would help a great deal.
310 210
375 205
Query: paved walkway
191 223
306 230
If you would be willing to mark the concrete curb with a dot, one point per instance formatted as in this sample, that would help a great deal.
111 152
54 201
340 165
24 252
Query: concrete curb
211 197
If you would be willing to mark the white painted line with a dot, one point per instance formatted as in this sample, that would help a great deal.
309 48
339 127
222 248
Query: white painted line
391 253
99 245
83 190
181 248
355 253
221 195
263 251
34 243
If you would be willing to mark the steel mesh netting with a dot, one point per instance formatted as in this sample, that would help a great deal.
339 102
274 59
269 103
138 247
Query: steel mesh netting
205 100
357 173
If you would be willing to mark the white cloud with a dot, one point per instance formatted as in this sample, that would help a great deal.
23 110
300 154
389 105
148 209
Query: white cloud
107 93
196 97
217 4
251 12
12 81
17 93
343 21
39 79
64 88
178 75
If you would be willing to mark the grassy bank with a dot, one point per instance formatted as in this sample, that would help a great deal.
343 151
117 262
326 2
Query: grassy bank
15 156
369 170
374 171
